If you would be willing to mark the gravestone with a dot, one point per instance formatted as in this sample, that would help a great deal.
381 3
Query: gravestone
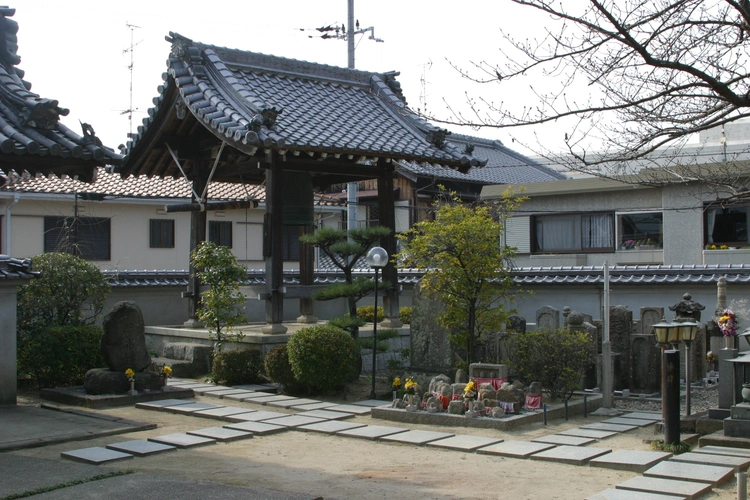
516 324
577 323
430 345
645 362
547 318
620 329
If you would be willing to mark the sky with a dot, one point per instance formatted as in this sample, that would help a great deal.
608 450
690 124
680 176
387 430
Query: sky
78 51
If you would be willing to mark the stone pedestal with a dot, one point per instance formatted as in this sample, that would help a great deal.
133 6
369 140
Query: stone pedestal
738 425
726 374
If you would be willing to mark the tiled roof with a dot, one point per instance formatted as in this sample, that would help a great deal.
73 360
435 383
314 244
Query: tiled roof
504 166
31 137
254 101
635 275
11 268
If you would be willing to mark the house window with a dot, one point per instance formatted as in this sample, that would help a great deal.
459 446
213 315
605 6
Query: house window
87 237
220 232
725 225
640 230
573 233
161 234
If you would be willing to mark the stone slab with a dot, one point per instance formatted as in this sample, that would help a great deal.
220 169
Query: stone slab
372 431
515 449
241 396
288 403
257 387
182 440
95 455
630 460
372 403
464 443
587 433
221 434
293 421
225 392
723 450
326 414
628 421
250 396
737 463
564 440
257 428
601 426
270 398
685 489
254 416
141 447
313 406
614 494
195 385
571 455
190 408
416 437
643 415
221 412
162 403
210 388
330 426
691 472
357 410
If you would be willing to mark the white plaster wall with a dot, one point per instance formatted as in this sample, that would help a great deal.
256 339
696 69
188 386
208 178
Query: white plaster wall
683 224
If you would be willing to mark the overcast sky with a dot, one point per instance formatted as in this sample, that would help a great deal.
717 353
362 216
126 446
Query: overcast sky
77 51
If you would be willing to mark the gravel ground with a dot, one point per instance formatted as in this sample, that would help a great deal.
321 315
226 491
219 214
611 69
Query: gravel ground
701 399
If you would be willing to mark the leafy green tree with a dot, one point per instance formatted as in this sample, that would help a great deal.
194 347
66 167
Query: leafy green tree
345 249
466 266
222 304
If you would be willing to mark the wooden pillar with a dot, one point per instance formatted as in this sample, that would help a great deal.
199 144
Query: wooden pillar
274 234
197 236
387 206
306 276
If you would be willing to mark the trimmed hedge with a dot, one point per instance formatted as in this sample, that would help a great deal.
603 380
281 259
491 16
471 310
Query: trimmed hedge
324 357
367 313
280 371
238 367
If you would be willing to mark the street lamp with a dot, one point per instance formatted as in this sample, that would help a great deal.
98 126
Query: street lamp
377 258
688 331
666 334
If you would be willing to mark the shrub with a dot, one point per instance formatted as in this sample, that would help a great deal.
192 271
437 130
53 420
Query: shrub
60 355
367 313
404 315
237 367
323 356
280 371
557 359
351 324
381 344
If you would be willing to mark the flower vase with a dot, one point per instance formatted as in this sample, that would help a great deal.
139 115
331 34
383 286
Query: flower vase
164 383
470 413
395 395
412 406
132 391
729 341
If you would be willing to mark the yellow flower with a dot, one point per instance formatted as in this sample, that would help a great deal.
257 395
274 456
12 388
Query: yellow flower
397 382
129 373
166 371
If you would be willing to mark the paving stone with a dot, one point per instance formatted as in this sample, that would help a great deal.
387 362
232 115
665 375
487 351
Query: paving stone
326 414
464 443
269 398
642 415
292 402
221 434
293 421
613 494
372 403
691 472
631 460
330 426
417 437
723 450
685 489
162 403
313 406
95 455
515 449
257 387
254 416
240 396
210 388
357 410
373 431
601 426
566 440
182 440
221 412
587 433
628 421
190 408
252 395
572 455
224 393
140 447
705 458
196 385
257 428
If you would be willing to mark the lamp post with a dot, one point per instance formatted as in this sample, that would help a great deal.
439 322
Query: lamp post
666 334
688 331
377 258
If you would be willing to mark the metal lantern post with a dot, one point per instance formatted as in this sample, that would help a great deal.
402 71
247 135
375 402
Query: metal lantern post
377 258
666 334
688 331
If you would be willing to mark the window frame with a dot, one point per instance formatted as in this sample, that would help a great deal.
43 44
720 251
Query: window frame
98 249
220 232
621 238
165 231
535 219
735 243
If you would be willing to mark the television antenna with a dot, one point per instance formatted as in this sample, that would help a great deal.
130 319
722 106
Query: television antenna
131 51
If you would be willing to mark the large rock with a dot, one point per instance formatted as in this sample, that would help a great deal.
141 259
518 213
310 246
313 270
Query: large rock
124 340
